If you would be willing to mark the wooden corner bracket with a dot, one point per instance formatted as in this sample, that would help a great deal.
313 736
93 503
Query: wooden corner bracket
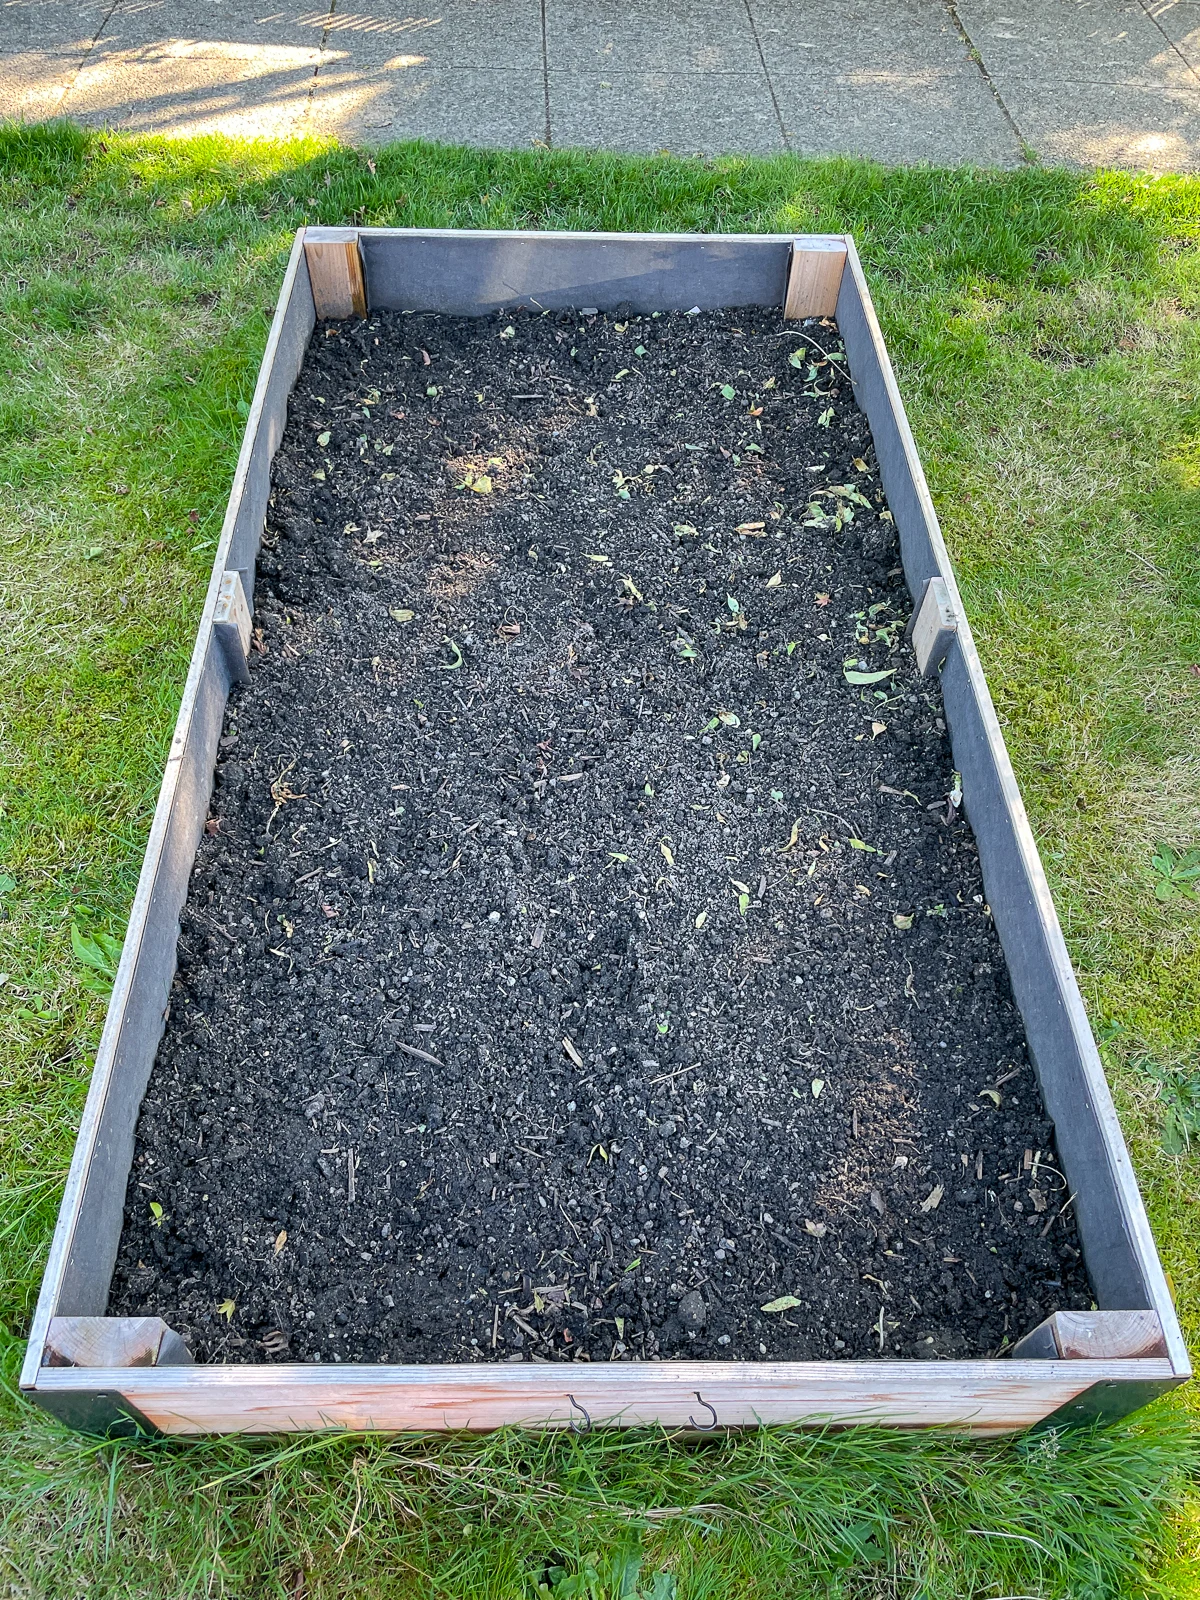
113 1342
932 627
335 272
1094 1336
814 277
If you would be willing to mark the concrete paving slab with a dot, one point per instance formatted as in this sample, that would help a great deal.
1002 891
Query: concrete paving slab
42 25
250 92
689 113
1073 41
849 36
240 56
1148 130
453 105
651 36
1179 20
34 82
945 116
482 35
141 23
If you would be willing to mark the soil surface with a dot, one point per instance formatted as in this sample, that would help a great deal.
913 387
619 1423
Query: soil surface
582 961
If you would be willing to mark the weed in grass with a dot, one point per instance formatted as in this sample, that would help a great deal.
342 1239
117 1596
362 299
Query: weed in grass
1176 872
1045 328
1178 1093
99 953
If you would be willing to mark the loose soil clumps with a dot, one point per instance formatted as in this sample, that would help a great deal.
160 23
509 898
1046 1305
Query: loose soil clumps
586 956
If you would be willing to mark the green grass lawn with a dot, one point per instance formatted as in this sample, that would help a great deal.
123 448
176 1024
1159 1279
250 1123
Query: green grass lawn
1044 327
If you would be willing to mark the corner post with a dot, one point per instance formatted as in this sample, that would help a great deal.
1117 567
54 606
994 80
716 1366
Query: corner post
335 273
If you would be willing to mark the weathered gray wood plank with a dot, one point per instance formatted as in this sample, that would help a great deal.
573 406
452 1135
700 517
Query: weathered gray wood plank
83 1250
282 360
1121 1257
472 272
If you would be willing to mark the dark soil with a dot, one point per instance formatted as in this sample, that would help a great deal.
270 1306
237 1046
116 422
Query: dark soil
576 963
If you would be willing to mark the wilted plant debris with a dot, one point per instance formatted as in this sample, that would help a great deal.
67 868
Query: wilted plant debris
614 978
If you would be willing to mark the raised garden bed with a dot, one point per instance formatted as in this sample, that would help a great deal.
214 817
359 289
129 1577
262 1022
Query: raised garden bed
591 998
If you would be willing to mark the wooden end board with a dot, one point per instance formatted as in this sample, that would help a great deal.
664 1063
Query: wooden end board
335 272
979 1397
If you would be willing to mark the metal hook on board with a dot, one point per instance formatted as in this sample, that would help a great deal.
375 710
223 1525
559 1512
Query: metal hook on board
704 1427
586 1425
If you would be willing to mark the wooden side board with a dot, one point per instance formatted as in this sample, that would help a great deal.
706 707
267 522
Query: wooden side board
979 1397
84 1247
1119 1249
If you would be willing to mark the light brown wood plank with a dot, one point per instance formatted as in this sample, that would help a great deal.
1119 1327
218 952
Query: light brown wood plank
335 272
980 1397
814 277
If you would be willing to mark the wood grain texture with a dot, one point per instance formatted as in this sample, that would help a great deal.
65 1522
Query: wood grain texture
104 1341
979 1397
1095 1336
113 1342
335 273
814 277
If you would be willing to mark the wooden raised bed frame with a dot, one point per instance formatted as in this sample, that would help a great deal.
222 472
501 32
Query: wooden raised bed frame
101 1373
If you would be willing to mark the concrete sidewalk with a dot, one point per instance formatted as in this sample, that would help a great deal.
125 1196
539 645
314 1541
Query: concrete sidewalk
1115 82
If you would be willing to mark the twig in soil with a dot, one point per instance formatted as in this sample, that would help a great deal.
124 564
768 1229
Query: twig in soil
678 1071
1061 1212
421 1055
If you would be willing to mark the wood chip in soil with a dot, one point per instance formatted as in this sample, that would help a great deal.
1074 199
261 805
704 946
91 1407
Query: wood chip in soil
586 950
